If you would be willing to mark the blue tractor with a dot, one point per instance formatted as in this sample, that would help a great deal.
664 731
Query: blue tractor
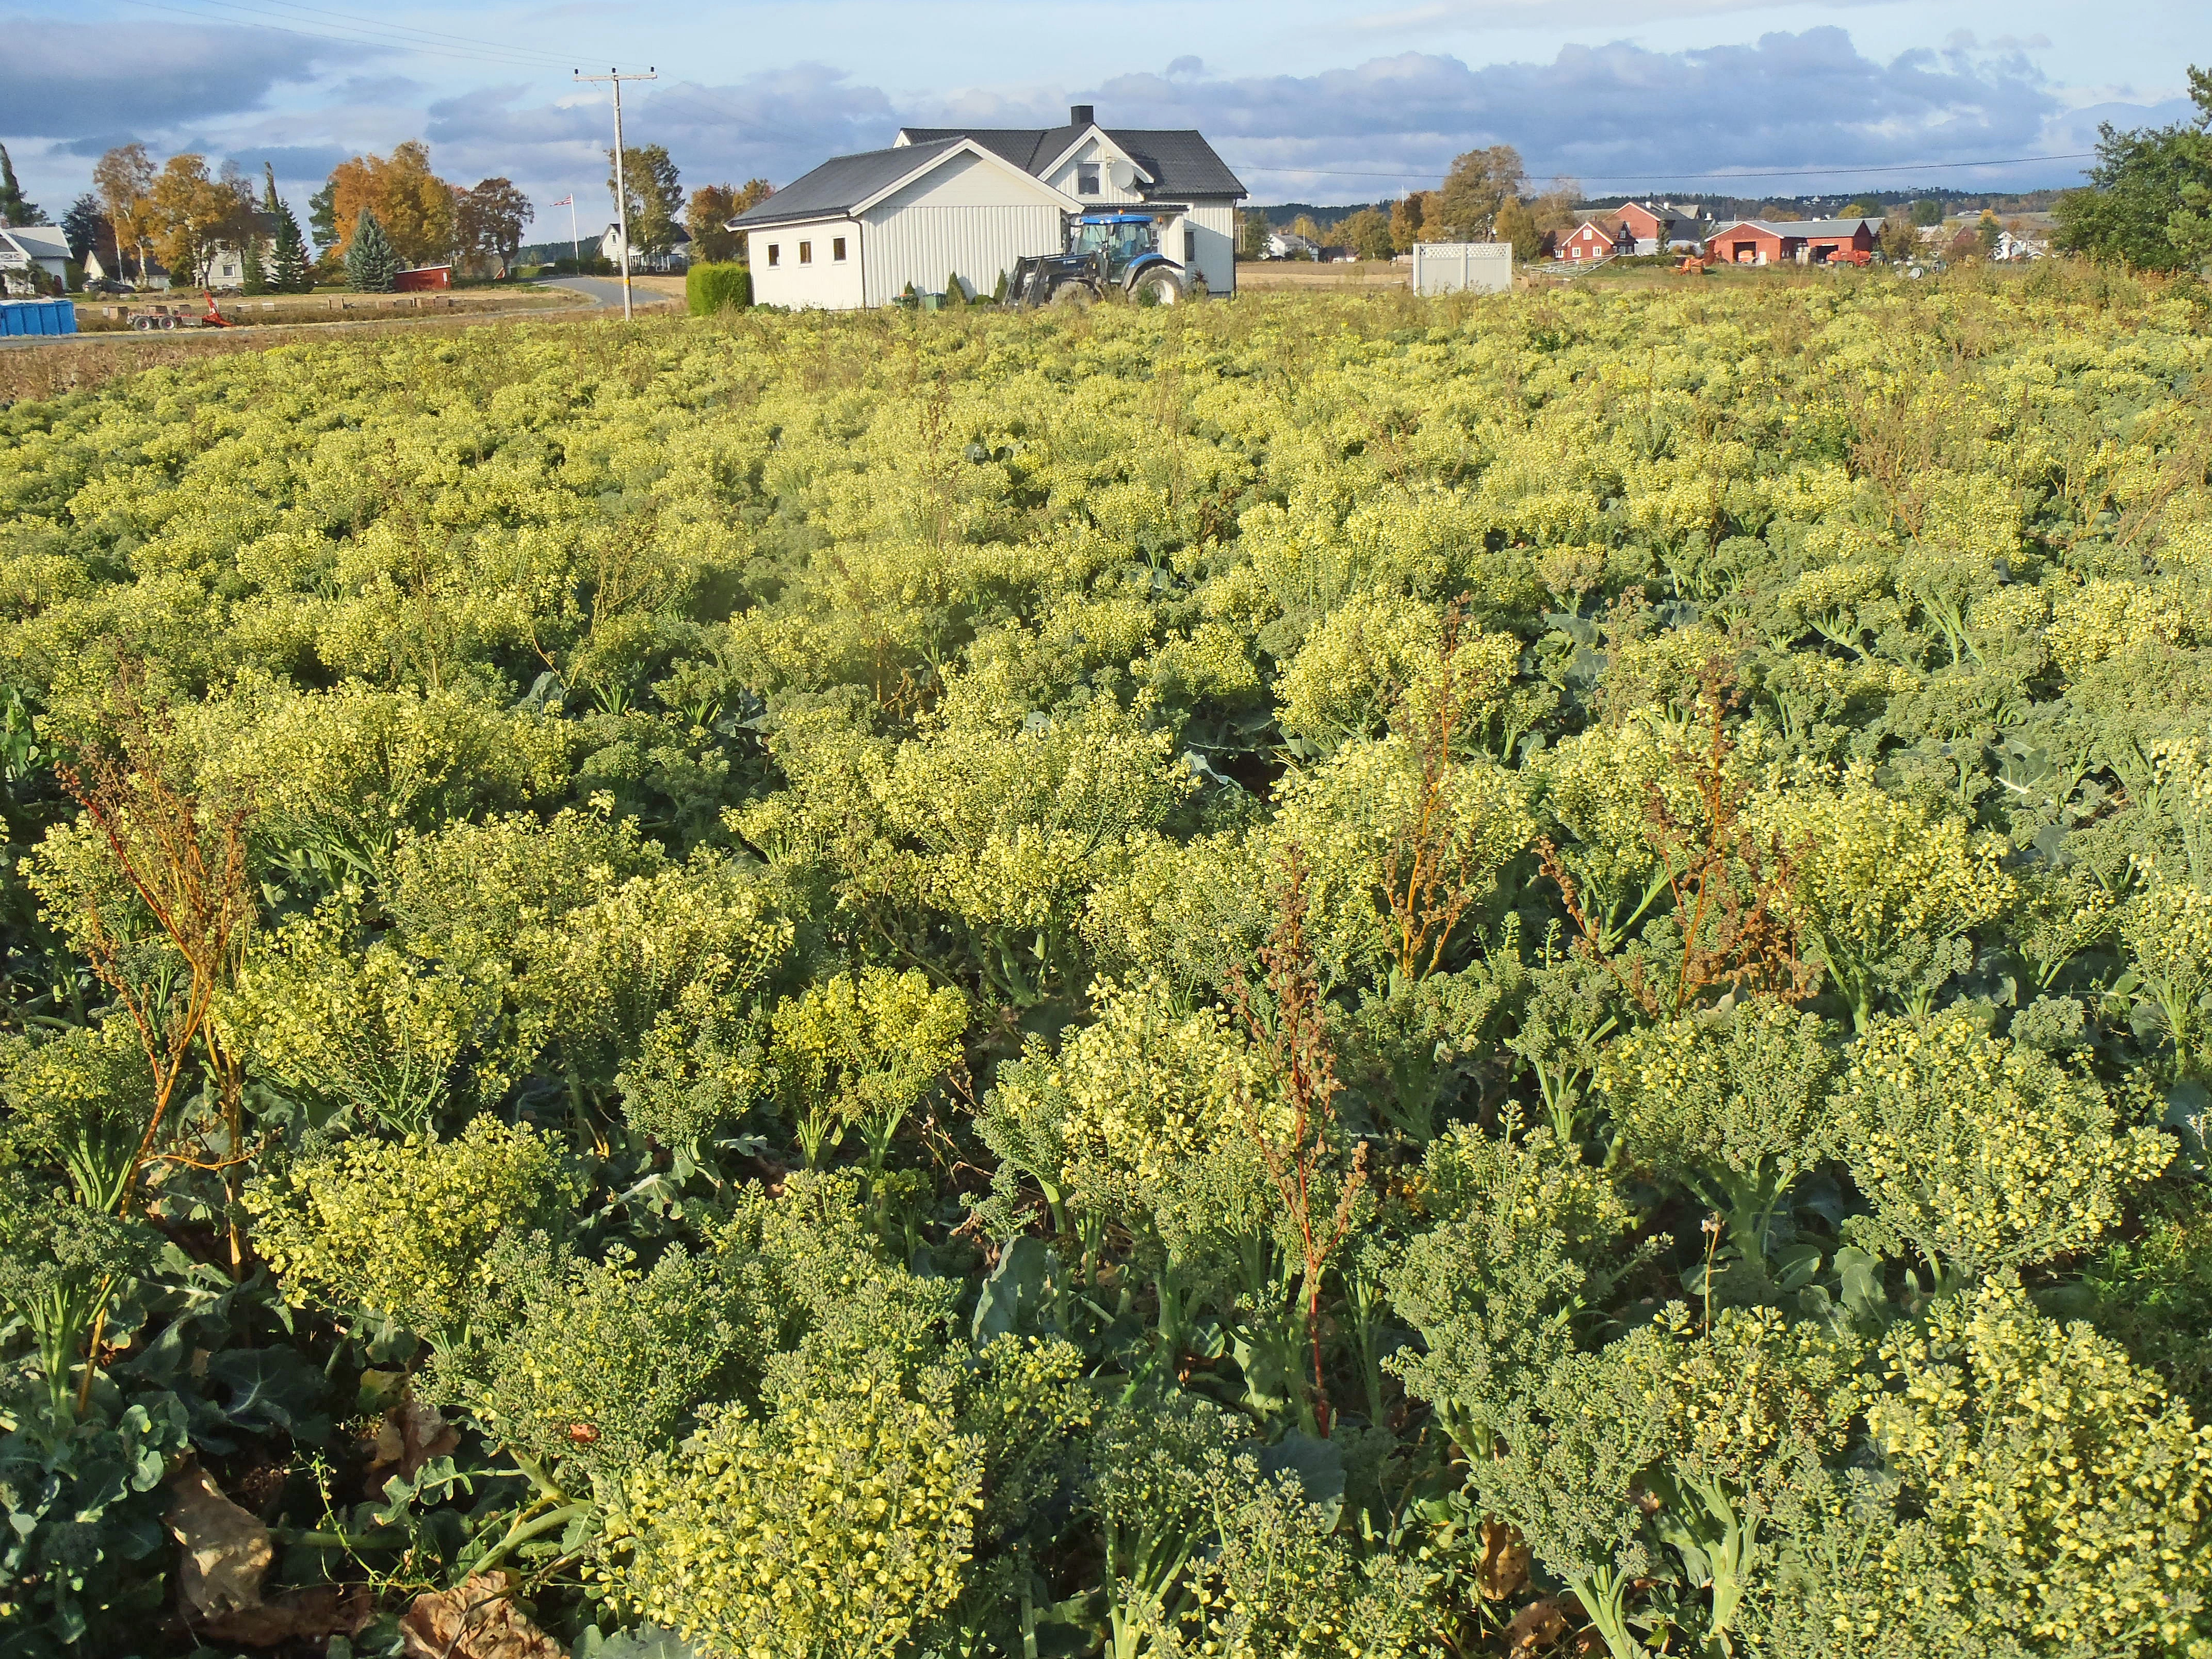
1103 253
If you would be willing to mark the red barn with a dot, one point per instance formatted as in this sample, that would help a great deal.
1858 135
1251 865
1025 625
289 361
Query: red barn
1594 239
423 278
1795 241
1661 229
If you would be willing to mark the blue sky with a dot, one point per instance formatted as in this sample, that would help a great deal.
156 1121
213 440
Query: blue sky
1308 99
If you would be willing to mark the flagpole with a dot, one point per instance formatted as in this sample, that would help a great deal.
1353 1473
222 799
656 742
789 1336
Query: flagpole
576 248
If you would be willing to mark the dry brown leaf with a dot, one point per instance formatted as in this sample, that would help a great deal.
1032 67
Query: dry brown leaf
1505 1566
1536 1625
409 1435
477 1620
226 1548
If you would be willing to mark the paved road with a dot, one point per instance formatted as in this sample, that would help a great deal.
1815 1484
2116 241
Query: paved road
607 291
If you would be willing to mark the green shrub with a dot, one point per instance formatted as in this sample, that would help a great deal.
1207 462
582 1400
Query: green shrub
711 288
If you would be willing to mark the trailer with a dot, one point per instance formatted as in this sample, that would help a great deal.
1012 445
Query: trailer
167 317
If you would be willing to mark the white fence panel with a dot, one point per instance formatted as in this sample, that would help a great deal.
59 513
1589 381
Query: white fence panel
1463 267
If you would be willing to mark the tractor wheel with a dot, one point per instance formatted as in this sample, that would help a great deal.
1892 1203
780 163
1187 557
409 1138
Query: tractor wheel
1165 288
1075 296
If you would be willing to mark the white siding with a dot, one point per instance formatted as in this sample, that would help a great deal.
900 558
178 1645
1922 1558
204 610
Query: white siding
1216 225
924 245
825 283
1117 180
968 218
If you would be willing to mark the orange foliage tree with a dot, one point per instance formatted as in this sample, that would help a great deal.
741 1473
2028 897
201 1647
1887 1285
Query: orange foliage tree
415 206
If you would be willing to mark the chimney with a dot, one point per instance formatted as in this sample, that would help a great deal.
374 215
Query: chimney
1079 115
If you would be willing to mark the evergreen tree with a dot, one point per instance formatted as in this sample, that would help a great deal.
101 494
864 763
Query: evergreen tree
253 274
371 266
288 259
14 209
323 214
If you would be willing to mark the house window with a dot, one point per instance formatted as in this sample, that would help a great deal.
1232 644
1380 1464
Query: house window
1086 178
1189 245
838 249
807 253
775 253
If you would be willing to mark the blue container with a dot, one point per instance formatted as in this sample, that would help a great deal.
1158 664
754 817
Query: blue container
37 317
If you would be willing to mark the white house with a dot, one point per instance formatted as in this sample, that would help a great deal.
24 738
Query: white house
949 201
26 248
679 258
124 268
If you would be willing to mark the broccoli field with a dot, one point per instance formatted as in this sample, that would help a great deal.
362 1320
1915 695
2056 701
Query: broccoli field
1311 975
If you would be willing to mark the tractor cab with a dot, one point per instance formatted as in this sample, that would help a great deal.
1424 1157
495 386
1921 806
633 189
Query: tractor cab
1123 238
1100 252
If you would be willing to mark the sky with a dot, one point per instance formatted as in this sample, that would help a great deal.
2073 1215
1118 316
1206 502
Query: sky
1313 101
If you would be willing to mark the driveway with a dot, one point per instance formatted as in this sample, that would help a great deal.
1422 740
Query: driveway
607 291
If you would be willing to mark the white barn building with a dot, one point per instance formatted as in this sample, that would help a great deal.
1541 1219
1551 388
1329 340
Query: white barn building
949 201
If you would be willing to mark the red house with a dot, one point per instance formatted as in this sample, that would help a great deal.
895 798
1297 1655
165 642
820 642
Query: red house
1795 241
1661 229
423 278
1594 239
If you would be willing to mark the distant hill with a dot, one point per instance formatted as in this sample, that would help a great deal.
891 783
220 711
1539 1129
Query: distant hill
1953 201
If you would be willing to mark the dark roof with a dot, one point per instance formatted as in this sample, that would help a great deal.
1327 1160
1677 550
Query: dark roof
839 184
1804 229
1180 160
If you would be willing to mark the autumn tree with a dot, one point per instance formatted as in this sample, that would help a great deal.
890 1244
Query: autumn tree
1367 234
488 220
1480 182
124 179
712 208
195 214
1517 223
414 206
1406 218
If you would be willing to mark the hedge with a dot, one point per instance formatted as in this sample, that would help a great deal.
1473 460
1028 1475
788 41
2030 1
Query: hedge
710 287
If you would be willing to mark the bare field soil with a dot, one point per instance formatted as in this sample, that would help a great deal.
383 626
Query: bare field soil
1300 277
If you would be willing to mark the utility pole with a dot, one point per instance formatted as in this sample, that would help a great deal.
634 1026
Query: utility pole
622 188
576 248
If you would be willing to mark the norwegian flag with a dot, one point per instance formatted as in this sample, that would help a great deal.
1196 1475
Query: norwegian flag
568 200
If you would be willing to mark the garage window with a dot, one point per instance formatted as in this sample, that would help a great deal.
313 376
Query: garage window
838 249
807 253
1189 246
775 253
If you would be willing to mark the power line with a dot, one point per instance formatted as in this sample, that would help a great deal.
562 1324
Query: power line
410 29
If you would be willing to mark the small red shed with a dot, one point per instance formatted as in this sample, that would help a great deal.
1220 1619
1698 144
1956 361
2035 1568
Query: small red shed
423 278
